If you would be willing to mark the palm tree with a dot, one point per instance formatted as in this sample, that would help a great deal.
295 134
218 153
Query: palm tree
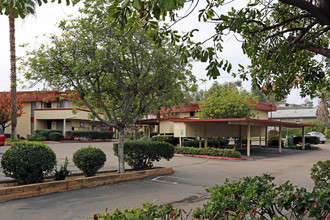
15 9
22 8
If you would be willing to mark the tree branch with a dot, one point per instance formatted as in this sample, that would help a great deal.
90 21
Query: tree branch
321 16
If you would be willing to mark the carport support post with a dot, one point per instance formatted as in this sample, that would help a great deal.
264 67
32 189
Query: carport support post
279 139
180 141
205 142
266 137
200 142
248 140
303 138
64 126
149 132
240 137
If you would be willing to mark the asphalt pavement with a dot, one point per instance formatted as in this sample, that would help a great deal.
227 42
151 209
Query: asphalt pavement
185 188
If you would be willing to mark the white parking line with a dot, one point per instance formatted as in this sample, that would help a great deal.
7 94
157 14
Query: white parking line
163 181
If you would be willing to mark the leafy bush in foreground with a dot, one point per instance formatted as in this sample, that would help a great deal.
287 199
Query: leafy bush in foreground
149 211
142 154
208 151
259 198
28 162
89 160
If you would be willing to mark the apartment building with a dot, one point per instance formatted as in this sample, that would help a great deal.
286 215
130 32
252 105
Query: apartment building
52 110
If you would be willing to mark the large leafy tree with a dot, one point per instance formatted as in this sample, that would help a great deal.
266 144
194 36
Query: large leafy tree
14 9
287 41
5 110
226 101
118 75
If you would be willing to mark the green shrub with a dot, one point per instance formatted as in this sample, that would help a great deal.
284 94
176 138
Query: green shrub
273 141
89 160
308 140
208 151
211 142
149 211
63 172
320 174
46 132
55 136
257 198
153 134
36 138
28 162
141 154
238 142
166 138
89 135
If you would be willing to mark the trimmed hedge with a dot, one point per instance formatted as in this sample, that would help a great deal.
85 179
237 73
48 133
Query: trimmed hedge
141 154
273 141
28 162
210 143
55 136
166 138
208 151
89 135
308 140
36 138
46 132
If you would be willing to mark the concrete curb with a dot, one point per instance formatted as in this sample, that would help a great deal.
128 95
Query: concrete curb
23 191
209 157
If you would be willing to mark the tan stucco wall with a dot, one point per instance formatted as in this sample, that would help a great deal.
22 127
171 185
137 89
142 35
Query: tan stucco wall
260 114
182 129
23 122
166 127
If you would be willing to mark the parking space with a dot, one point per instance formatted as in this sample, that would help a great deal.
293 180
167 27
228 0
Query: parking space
185 188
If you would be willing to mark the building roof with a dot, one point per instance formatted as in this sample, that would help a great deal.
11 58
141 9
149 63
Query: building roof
42 96
194 107
180 108
293 113
252 121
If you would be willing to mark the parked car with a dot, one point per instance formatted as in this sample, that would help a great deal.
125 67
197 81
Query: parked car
2 138
322 137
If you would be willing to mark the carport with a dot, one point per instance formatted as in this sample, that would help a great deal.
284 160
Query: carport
235 127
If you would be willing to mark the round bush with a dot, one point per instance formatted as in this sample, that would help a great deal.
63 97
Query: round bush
89 160
141 155
56 136
28 162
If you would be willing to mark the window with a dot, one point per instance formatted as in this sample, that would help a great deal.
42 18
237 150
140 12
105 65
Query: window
63 104
34 105
192 114
82 125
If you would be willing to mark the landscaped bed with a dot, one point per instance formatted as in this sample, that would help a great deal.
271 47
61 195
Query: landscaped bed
9 190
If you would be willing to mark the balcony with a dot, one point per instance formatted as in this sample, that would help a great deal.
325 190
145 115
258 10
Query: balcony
60 113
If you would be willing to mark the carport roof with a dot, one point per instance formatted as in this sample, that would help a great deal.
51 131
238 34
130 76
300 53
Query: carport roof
244 121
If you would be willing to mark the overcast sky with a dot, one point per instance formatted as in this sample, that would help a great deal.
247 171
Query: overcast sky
50 14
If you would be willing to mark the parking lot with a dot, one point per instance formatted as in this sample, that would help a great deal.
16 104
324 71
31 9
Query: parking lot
185 188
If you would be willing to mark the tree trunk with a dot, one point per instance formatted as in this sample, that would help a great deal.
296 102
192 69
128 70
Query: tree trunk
322 112
12 73
121 139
